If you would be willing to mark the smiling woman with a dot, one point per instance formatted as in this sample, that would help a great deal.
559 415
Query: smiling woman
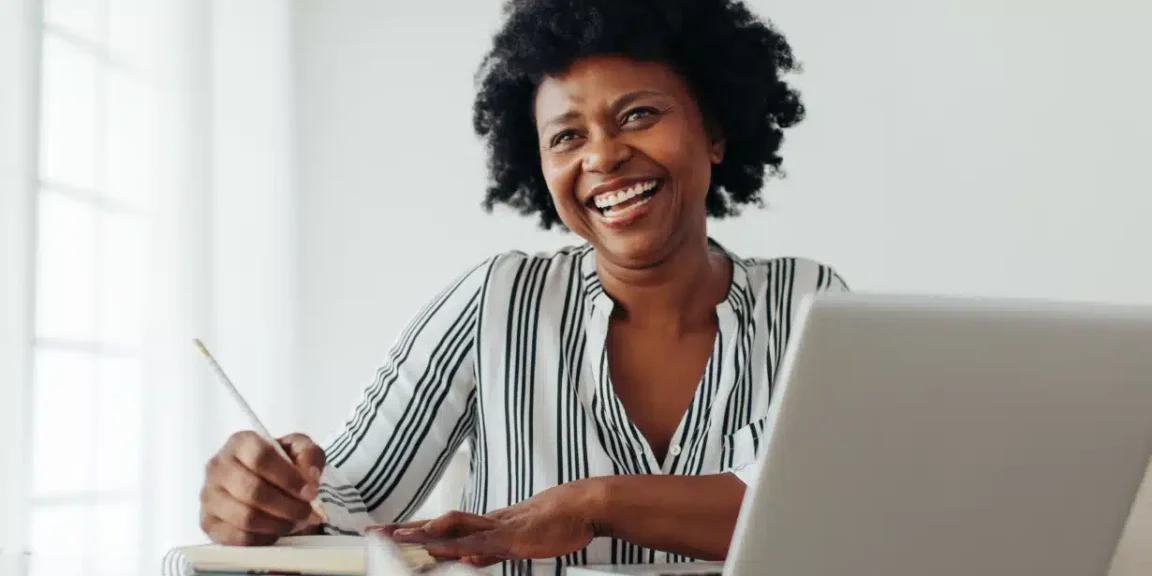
613 392
626 155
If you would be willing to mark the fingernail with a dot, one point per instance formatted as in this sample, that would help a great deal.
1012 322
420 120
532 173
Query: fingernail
315 473
310 492
402 532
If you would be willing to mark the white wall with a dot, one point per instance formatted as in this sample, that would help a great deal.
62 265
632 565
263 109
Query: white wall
979 147
957 146
253 207
390 180
961 147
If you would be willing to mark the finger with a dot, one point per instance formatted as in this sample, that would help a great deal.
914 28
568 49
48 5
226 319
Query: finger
261 457
388 529
481 561
450 551
253 490
306 454
440 557
488 543
245 517
458 523
223 533
451 525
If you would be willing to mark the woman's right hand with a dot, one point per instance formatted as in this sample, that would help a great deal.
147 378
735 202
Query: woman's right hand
252 496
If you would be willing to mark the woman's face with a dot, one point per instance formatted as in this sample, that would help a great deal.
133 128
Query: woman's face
627 157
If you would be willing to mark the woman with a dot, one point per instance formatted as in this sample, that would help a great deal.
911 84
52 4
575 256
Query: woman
613 394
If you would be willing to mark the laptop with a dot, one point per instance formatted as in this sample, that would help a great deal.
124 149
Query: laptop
914 435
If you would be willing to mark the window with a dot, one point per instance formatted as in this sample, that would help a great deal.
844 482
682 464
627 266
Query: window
90 261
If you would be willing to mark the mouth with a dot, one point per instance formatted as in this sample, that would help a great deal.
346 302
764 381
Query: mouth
618 203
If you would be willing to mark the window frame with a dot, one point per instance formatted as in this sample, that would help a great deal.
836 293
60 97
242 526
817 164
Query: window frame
20 341
19 26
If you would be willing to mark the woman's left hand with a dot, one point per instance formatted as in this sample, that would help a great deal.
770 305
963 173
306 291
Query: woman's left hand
555 522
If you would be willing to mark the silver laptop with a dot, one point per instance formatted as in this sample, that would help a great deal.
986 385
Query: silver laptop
947 436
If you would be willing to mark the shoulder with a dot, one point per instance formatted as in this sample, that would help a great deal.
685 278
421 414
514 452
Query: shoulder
506 270
778 286
793 275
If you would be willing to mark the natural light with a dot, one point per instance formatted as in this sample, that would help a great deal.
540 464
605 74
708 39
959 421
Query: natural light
90 262
469 255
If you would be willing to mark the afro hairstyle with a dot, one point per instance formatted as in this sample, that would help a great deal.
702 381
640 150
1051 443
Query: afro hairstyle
732 62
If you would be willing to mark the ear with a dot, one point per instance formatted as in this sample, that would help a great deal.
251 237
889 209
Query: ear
716 151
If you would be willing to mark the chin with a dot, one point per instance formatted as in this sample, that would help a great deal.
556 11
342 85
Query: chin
635 250
644 237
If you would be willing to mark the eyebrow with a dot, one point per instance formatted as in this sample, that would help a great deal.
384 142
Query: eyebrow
616 105
560 119
632 97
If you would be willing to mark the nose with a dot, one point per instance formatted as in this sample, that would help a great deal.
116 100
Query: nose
605 155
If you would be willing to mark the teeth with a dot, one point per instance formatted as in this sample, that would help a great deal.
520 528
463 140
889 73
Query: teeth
609 199
617 212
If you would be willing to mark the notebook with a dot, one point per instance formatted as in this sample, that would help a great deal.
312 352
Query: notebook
315 555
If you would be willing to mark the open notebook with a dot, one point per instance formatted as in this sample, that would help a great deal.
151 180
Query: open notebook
319 555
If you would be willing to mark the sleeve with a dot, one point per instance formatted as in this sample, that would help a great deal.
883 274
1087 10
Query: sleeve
746 472
808 277
411 418
827 279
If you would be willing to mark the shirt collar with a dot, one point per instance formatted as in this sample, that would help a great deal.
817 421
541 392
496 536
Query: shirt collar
737 301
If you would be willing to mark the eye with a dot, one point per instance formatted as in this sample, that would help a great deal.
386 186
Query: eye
562 138
639 114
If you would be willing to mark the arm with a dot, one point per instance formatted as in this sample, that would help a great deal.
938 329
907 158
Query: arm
410 420
690 515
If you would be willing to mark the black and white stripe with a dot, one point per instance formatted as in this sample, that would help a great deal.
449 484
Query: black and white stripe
511 358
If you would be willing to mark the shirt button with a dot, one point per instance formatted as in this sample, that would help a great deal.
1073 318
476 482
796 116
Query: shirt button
674 450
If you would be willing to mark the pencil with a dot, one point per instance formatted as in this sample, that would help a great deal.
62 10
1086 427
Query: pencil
252 418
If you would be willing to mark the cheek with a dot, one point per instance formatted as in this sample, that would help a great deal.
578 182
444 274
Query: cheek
684 153
560 175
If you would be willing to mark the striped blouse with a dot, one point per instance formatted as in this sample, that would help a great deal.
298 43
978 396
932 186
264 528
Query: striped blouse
511 359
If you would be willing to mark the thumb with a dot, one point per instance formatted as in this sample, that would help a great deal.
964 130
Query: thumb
307 456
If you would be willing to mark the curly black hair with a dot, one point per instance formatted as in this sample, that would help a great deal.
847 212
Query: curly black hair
731 61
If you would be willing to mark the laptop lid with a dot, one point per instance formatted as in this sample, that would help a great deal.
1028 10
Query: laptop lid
951 437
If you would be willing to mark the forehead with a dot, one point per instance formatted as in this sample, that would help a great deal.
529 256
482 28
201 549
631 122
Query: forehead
597 81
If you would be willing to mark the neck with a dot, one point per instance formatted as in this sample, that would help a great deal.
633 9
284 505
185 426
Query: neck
679 294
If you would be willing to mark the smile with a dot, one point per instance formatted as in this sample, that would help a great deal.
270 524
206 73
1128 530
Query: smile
620 202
